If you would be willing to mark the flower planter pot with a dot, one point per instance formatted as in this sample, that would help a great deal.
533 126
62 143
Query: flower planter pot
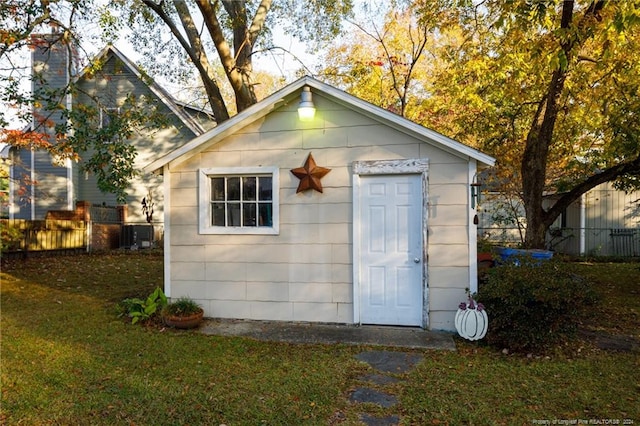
184 322
485 261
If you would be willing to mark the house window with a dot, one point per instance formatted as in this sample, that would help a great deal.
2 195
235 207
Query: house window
242 200
107 115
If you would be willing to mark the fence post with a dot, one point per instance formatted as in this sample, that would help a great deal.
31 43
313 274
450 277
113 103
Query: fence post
122 213
88 234
83 210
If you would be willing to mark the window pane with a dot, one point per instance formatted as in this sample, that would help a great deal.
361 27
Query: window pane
107 116
233 214
217 189
106 119
266 214
217 214
233 188
249 214
240 201
266 193
249 188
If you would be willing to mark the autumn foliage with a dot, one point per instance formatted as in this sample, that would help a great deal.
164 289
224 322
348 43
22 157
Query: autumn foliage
25 139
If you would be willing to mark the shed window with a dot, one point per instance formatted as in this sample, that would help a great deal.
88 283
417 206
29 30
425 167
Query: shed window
239 200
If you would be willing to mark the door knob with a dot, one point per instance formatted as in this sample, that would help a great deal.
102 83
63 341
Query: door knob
416 260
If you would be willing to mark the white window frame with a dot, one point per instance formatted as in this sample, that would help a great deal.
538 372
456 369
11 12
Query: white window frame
104 114
204 200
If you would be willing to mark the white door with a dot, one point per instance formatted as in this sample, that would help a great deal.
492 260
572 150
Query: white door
391 250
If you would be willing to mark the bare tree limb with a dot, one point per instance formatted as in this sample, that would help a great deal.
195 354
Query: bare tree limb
217 104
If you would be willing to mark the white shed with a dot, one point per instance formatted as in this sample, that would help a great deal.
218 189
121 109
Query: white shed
354 216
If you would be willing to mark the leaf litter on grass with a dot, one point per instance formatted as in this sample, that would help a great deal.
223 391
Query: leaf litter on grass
130 374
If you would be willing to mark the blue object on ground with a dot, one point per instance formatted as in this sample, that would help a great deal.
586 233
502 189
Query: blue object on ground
516 256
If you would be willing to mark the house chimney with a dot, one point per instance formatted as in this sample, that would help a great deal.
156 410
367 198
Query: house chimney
52 65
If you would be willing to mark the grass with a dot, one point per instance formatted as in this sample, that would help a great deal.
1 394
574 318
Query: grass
68 359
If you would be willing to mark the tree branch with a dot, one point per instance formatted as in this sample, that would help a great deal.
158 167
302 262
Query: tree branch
259 20
239 78
607 175
215 29
201 61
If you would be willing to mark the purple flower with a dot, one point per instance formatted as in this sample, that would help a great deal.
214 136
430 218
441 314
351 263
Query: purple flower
462 306
480 307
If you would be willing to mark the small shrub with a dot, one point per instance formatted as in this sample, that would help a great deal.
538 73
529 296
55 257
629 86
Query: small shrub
533 305
184 306
144 309
10 237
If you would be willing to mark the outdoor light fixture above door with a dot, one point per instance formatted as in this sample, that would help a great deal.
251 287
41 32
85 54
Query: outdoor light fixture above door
306 108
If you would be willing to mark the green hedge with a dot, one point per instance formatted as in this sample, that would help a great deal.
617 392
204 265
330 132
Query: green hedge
534 305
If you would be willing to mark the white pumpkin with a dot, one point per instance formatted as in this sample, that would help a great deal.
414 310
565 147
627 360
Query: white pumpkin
471 320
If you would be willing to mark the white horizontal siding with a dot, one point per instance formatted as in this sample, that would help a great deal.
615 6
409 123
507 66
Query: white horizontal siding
305 273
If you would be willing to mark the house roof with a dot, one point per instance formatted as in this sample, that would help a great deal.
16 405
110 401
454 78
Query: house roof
156 89
203 116
4 150
289 93
184 112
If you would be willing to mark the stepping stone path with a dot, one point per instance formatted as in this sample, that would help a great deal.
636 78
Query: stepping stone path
384 362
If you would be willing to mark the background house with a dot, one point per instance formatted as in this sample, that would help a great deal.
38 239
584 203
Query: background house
355 216
39 183
603 222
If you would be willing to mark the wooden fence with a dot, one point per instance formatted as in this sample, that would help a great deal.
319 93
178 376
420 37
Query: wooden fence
42 235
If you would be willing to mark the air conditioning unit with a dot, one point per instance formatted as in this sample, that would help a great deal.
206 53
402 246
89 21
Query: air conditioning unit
135 237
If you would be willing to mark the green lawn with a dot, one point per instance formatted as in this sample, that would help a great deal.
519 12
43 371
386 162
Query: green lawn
67 359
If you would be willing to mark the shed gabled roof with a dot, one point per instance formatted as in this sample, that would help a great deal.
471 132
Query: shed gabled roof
291 92
156 89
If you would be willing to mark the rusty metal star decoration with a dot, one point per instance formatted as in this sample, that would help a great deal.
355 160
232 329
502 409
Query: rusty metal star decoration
310 175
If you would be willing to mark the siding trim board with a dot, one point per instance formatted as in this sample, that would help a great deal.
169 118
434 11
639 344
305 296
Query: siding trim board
473 233
167 235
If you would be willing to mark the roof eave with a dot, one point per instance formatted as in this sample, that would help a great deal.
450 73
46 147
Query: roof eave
282 96
156 89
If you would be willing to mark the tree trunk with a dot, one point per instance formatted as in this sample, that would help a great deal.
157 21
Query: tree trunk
240 75
199 58
237 65
540 136
539 139
193 47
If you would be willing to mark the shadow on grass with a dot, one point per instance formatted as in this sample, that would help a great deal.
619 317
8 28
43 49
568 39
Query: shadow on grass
111 276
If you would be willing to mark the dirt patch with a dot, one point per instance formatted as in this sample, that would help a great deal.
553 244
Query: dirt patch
611 342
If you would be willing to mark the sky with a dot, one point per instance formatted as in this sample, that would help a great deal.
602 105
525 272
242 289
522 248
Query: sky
277 63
